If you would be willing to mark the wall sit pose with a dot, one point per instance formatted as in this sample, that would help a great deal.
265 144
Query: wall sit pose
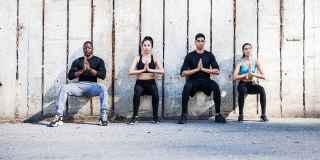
246 71
145 66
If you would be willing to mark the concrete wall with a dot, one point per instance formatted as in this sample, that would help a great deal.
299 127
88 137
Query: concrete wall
40 39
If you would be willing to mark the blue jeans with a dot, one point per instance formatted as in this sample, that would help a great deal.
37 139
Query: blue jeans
79 89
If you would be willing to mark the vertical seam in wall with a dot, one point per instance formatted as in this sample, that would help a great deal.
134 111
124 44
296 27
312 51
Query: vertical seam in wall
92 20
67 49
258 47
211 107
187 47
304 60
140 19
281 47
17 40
42 58
17 49
163 56
234 52
91 39
113 59
211 25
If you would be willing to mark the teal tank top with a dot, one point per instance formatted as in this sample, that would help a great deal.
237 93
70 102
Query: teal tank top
244 68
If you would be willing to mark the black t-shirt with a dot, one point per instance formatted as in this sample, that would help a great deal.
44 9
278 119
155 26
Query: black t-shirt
95 62
191 62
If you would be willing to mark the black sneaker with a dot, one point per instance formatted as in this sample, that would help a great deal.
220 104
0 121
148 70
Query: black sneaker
264 118
155 120
57 121
132 121
219 119
183 119
240 118
102 122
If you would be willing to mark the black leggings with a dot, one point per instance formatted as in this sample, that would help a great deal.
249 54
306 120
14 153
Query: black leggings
251 88
145 87
205 85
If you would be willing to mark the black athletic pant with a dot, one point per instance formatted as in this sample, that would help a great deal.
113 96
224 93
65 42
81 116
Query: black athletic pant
205 85
251 88
145 87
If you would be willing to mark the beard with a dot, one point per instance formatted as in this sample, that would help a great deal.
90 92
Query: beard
200 47
87 54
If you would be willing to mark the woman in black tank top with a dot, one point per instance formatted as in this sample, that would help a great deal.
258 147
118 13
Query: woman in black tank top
140 65
145 66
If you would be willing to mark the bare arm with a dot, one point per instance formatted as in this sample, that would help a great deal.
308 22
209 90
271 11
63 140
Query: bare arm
212 71
236 75
133 70
159 69
259 74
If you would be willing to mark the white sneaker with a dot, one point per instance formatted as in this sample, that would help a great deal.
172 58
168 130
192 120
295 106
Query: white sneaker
57 121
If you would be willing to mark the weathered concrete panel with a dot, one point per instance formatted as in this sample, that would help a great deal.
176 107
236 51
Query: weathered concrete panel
292 58
174 53
199 22
269 53
291 67
312 58
80 31
55 56
102 41
152 25
126 48
222 47
8 50
246 31
30 49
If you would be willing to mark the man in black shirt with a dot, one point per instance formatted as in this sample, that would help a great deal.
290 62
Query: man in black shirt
198 65
87 69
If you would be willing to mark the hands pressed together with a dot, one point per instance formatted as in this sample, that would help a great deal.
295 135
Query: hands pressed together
200 67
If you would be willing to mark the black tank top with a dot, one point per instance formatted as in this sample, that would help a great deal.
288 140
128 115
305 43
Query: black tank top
140 64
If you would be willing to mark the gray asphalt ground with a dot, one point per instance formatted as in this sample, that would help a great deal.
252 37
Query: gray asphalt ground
285 139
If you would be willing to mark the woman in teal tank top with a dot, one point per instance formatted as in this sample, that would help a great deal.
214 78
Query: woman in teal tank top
246 71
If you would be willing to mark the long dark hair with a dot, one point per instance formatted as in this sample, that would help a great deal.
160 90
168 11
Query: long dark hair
244 45
146 38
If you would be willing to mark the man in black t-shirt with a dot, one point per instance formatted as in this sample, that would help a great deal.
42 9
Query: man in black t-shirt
87 69
198 65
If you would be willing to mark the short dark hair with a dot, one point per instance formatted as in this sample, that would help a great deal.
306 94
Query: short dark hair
147 38
88 42
199 35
